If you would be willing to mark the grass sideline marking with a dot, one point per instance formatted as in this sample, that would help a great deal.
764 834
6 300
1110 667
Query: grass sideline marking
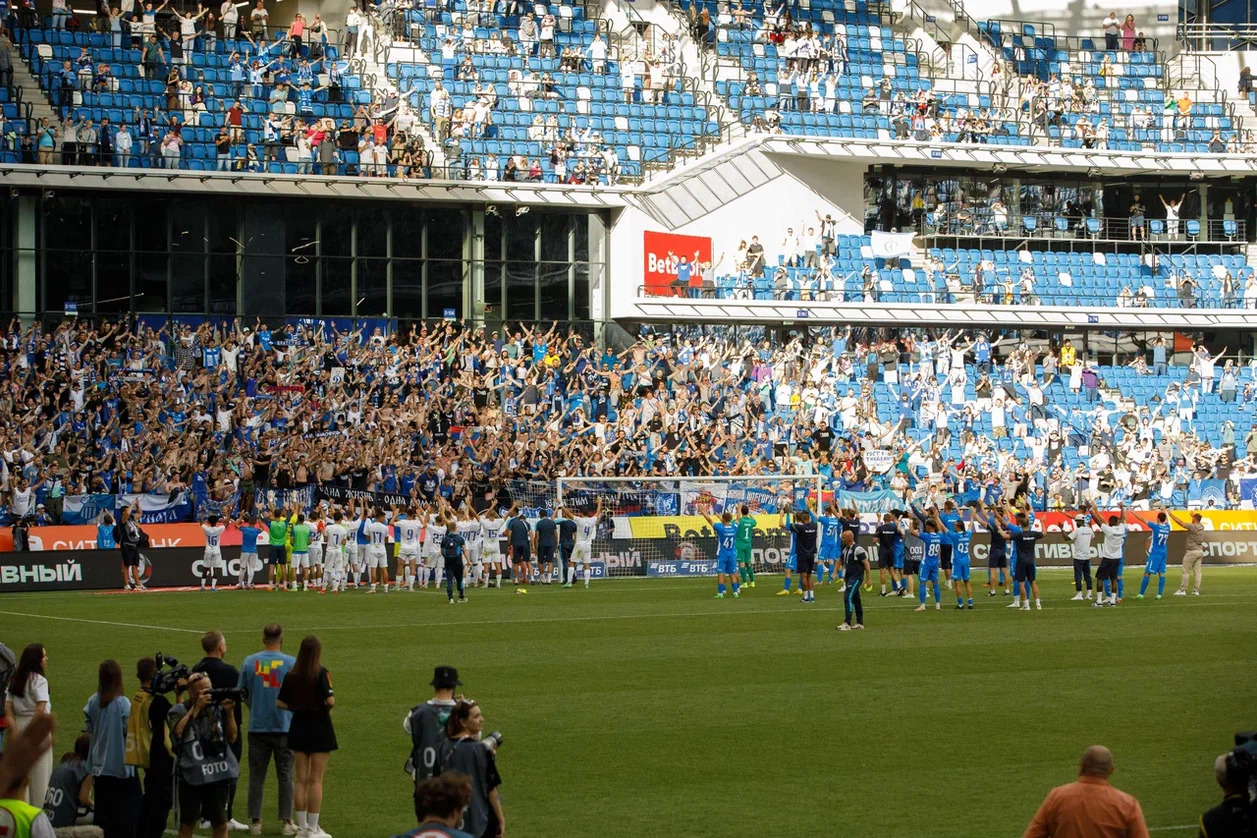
526 620
99 622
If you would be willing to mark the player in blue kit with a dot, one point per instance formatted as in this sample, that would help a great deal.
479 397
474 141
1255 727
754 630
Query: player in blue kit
1158 550
831 533
726 551
792 561
959 539
949 516
932 535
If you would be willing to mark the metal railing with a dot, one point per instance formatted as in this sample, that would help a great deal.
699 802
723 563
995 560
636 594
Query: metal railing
1003 292
1216 37
1047 225
1073 44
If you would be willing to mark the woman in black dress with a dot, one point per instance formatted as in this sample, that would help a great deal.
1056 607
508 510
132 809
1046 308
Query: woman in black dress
307 692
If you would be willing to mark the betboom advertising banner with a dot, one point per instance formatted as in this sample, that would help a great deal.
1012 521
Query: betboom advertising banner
659 270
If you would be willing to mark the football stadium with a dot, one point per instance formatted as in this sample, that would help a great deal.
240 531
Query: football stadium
660 408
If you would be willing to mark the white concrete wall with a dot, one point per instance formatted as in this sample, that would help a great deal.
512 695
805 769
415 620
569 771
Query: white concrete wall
1228 65
803 187
1082 19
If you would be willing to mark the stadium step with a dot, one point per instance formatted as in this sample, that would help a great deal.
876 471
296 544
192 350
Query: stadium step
41 106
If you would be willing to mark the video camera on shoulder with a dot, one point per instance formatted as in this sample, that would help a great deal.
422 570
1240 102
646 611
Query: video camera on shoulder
1241 764
169 673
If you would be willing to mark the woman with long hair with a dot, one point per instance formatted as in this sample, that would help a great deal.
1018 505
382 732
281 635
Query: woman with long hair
307 693
465 753
116 785
27 699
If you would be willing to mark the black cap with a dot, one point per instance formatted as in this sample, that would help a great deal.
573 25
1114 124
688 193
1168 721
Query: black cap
444 677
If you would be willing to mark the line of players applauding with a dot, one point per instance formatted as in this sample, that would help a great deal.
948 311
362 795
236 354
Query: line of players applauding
330 552
935 544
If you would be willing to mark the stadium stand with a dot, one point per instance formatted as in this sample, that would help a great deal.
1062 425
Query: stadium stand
1030 406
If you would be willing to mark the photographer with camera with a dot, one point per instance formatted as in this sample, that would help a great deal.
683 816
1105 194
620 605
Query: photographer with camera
426 725
465 753
223 676
202 731
148 739
1235 816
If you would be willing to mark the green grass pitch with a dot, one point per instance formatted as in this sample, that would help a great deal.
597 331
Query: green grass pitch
644 703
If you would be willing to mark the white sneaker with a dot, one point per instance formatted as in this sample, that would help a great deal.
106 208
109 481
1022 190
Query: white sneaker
1038 605
255 828
844 627
234 825
318 833
1014 604
1195 593
1180 593
1088 596
290 828
1025 607
938 606
1078 597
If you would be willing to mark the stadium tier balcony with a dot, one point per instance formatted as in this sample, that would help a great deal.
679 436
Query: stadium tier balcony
584 94
195 105
997 276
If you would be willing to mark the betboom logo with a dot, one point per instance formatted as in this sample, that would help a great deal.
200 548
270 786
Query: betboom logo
661 265
26 574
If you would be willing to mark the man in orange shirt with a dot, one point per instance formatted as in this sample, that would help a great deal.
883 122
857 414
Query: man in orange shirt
1090 807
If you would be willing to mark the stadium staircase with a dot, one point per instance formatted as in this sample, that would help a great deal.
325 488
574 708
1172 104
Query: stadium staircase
40 106
390 48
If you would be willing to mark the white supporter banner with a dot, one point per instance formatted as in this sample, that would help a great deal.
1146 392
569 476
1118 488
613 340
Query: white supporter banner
890 245
879 460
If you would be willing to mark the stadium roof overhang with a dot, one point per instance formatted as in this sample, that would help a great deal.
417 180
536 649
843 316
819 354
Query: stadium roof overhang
19 176
997 158
679 309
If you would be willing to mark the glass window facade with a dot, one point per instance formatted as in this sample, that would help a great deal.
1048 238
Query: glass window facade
267 257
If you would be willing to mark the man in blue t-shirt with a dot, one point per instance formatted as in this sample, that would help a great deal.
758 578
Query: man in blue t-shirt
1158 551
261 676
726 551
249 563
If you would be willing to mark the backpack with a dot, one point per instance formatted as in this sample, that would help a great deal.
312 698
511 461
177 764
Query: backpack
140 734
451 546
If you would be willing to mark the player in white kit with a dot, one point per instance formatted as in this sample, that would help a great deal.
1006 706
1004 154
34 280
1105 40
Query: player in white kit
213 558
583 552
318 524
337 536
491 523
354 550
378 538
470 528
408 530
434 531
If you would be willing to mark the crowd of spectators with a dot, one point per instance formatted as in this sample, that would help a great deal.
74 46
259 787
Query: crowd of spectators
222 409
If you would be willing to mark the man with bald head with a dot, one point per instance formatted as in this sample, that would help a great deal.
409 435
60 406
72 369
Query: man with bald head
1233 816
1089 807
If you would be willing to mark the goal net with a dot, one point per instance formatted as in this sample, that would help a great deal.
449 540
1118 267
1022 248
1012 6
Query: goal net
653 526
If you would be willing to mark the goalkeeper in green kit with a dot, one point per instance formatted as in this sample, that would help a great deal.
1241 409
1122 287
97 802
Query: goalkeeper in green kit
746 527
